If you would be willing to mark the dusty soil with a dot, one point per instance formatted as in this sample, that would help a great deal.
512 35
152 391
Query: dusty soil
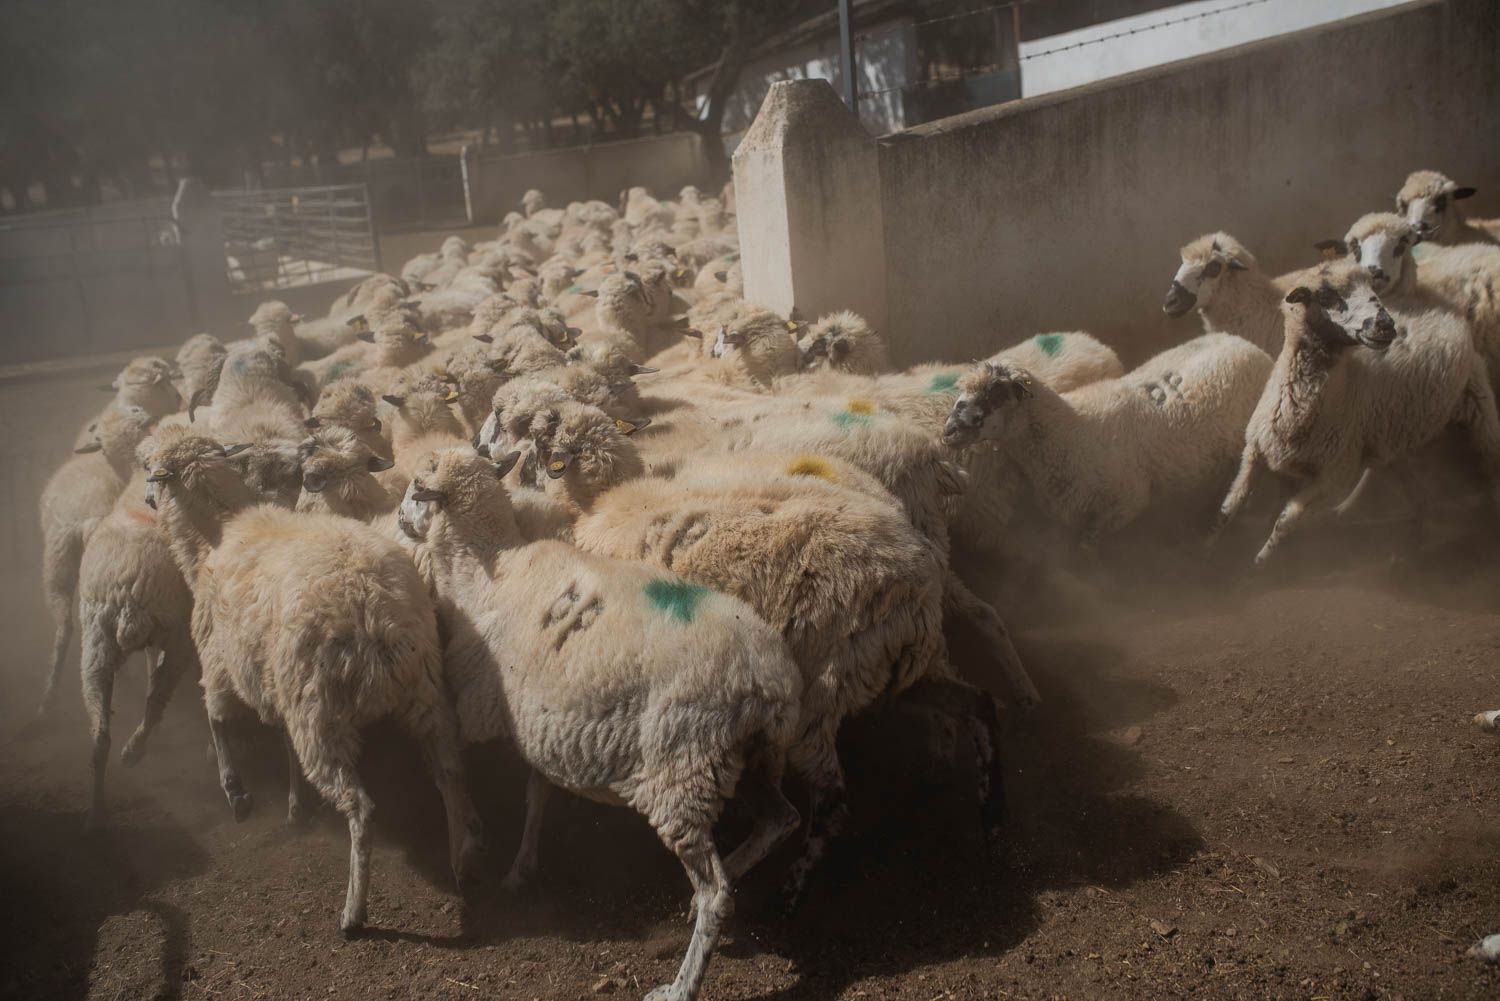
1236 788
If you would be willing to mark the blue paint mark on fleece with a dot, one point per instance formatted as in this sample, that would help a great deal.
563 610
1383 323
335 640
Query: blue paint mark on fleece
1051 344
945 383
676 598
847 420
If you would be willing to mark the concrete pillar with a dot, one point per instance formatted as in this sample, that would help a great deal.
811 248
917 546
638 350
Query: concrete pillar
807 198
205 269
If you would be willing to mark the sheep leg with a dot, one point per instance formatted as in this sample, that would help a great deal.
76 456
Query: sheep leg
975 709
298 807
983 617
444 756
1414 487
1349 503
162 673
828 811
60 565
1305 501
711 900
102 657
1480 418
229 776
775 819
525 866
1251 465
327 754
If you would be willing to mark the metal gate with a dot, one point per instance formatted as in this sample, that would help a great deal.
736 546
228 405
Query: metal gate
297 236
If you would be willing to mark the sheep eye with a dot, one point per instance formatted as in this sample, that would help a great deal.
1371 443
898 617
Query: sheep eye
1400 248
1440 202
1212 269
1328 298
1401 205
1354 249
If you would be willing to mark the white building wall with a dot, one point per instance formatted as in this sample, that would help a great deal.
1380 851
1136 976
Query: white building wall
1113 48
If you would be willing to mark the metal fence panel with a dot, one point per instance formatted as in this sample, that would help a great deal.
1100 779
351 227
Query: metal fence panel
297 236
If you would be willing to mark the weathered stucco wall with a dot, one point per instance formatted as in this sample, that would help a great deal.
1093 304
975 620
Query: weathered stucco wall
1067 211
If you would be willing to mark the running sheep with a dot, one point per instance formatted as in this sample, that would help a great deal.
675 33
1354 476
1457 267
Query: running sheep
618 682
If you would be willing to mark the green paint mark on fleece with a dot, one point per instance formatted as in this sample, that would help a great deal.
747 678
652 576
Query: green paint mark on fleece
337 369
945 383
1051 344
676 598
847 420
1419 251
574 289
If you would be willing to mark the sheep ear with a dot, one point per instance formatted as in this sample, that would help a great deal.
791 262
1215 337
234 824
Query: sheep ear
485 338
379 465
1022 389
232 450
1331 249
395 401
1300 294
722 276
92 446
1235 264
506 464
558 464
631 427
366 336
199 398
592 293
643 370
313 423
358 322
1464 193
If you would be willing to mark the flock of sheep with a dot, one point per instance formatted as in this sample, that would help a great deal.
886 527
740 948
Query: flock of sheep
569 488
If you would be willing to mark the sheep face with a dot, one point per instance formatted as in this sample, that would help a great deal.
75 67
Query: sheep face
269 468
585 451
179 463
346 404
1426 201
147 383
1339 309
521 409
423 403
987 404
1380 243
332 460
459 484
1206 263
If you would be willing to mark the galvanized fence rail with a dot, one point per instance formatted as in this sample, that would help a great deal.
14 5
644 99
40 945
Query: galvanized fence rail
297 236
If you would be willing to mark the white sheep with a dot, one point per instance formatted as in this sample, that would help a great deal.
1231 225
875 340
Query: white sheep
855 590
318 624
1097 457
75 499
1222 280
338 476
615 681
1429 201
1356 387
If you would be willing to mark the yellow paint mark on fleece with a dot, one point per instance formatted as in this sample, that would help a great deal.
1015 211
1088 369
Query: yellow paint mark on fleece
860 405
812 465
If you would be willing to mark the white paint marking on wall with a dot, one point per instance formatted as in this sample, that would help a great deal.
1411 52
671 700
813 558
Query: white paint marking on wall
1162 36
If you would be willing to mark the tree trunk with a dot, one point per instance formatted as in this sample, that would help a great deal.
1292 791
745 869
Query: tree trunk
721 87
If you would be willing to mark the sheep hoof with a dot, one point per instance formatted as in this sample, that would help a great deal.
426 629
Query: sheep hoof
133 752
297 814
240 803
518 881
351 930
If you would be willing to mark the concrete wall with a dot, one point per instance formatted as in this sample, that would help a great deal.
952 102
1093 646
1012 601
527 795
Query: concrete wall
662 163
110 277
1067 211
1112 48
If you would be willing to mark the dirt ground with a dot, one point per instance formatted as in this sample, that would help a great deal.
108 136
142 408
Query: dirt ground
1236 788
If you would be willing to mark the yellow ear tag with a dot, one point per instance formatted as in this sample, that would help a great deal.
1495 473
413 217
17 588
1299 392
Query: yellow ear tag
791 325
452 395
162 473
557 465
1329 253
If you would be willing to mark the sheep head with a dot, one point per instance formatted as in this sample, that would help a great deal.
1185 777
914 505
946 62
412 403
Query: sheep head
1426 201
988 399
459 491
1336 306
1379 242
1207 262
